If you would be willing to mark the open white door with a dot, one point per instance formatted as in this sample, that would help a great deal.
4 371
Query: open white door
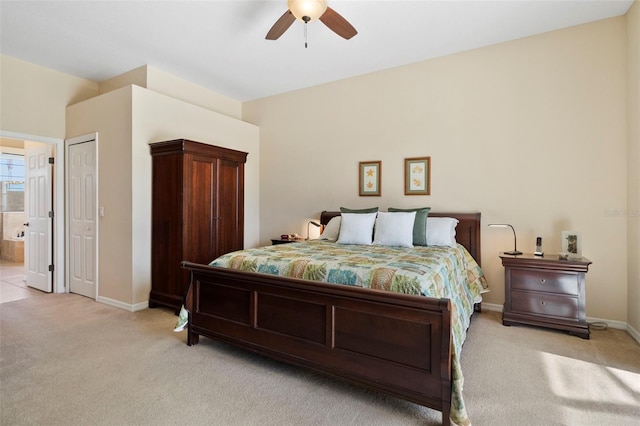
82 213
39 213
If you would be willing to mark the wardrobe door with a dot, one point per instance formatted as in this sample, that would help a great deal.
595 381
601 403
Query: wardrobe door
167 277
230 224
200 227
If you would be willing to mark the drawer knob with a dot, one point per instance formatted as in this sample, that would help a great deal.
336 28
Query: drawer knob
542 280
542 303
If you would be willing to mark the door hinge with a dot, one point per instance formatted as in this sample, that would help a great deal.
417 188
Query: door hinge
51 214
51 160
51 268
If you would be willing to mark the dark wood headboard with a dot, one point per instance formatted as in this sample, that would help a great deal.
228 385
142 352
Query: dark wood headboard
467 231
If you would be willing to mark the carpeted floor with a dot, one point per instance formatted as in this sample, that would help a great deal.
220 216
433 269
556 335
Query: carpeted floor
67 360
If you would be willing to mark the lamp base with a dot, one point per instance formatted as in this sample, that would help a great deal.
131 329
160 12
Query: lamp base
513 252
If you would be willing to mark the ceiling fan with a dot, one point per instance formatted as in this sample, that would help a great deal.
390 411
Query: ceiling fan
308 11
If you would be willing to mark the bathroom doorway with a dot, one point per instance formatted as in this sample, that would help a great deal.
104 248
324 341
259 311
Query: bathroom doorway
54 245
12 217
27 211
12 214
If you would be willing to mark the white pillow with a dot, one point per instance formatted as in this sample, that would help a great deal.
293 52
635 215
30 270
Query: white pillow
331 230
394 229
441 231
356 228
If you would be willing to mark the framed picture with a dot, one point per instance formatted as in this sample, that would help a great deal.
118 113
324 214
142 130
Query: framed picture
417 179
370 178
571 244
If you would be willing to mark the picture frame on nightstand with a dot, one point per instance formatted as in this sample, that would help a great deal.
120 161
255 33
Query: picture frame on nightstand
571 244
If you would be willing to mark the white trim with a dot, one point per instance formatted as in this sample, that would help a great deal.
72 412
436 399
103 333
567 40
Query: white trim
121 305
633 332
67 143
59 256
31 138
619 325
491 307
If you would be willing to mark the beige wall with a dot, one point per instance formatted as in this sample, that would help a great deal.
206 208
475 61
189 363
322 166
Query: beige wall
137 76
162 82
127 120
33 98
633 115
110 115
158 118
530 132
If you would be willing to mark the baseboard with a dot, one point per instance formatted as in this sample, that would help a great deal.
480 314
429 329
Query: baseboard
126 306
619 325
633 332
140 306
491 307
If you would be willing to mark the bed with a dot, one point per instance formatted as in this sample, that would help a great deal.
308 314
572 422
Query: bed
400 344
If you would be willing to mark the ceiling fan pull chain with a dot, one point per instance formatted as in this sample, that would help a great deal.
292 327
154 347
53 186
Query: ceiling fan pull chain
306 22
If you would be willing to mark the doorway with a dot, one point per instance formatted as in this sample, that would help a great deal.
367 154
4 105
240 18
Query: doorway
55 191
27 212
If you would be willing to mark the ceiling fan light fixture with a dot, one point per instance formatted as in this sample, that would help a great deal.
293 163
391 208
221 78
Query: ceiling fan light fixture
313 9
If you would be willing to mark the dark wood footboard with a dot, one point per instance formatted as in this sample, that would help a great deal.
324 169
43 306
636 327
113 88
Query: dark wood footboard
389 342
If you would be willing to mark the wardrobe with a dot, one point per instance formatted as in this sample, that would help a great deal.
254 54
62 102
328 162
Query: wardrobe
197 212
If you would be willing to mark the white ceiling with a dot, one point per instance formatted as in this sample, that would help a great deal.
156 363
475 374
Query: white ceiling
221 44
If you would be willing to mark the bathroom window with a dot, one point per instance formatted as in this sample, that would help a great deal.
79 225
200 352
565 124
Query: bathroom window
12 182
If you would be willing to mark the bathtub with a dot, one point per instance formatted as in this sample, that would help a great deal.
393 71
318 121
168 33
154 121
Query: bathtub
13 250
12 245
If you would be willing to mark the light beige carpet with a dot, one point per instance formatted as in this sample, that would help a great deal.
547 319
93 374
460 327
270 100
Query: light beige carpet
67 360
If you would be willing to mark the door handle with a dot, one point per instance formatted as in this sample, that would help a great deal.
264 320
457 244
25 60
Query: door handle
26 224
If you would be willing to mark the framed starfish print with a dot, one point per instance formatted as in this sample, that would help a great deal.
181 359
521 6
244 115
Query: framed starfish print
417 180
369 182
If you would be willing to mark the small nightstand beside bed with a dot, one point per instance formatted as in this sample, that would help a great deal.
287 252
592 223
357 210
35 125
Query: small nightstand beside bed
546 292
407 345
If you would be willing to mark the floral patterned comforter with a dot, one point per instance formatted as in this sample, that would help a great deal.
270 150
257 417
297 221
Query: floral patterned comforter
440 272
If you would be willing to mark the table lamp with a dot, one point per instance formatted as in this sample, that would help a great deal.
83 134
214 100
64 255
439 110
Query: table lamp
311 222
515 251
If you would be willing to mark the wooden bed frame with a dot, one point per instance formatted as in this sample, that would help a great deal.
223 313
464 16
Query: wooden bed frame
394 343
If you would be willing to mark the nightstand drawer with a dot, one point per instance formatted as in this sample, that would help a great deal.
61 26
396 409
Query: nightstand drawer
544 304
549 282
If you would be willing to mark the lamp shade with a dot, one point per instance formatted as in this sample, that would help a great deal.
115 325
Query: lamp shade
311 222
313 9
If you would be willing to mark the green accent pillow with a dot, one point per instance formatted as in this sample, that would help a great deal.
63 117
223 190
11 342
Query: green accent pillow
369 210
420 224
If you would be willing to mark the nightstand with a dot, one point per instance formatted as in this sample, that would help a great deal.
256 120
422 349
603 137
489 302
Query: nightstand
275 241
546 292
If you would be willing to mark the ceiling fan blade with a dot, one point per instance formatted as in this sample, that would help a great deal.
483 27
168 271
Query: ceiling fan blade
281 25
338 24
